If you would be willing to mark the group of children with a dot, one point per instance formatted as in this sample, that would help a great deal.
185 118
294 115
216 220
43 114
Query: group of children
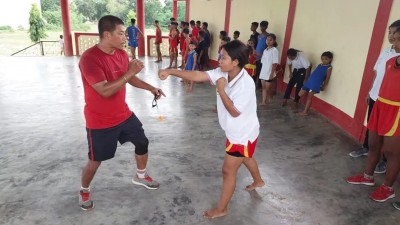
264 67
238 63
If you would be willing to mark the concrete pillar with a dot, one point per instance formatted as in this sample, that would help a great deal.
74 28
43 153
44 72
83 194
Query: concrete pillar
66 27
140 23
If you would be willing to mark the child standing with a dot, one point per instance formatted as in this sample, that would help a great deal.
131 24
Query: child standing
158 41
269 60
251 66
299 69
191 64
318 80
173 46
61 44
237 114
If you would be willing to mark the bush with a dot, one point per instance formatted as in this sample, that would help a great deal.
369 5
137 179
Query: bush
6 27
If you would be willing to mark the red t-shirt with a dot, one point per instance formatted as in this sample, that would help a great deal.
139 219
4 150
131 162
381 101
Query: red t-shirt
97 66
181 40
390 85
195 33
158 36
173 43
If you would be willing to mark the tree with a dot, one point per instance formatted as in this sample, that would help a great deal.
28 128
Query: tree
37 29
50 5
131 15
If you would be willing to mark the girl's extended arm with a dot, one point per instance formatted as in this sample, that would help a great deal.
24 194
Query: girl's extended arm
197 76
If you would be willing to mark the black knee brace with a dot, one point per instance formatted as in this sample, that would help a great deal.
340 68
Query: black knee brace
141 146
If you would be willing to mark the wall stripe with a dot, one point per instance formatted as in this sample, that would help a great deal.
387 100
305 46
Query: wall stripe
227 15
378 34
286 41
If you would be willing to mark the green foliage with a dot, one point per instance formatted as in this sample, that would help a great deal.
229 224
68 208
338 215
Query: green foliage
37 29
53 18
131 15
6 27
50 5
181 11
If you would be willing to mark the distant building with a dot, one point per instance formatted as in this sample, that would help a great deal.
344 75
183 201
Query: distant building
16 13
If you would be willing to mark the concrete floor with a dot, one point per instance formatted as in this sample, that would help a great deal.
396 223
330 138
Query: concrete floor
304 160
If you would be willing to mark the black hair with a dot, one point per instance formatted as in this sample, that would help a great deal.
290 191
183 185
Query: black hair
185 31
155 21
237 51
133 21
193 43
108 23
328 54
226 39
254 24
236 32
292 52
264 23
192 22
252 39
395 24
198 22
397 30
205 24
223 33
61 36
183 22
172 19
273 36
187 24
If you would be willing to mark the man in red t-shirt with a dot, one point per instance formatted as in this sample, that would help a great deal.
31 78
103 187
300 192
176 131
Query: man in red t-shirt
105 70
195 31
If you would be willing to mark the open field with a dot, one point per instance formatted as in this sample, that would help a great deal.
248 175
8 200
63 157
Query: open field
13 41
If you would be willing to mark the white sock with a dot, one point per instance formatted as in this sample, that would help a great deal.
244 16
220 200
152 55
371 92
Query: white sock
368 176
141 173
85 189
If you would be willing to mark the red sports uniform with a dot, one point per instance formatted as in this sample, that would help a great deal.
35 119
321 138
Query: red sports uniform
385 115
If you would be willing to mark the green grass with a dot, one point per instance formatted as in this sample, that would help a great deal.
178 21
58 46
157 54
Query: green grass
13 41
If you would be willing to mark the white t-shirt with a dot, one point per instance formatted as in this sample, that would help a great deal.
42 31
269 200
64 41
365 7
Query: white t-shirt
299 62
241 91
380 67
269 57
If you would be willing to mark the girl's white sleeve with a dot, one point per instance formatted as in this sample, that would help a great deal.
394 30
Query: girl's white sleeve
275 56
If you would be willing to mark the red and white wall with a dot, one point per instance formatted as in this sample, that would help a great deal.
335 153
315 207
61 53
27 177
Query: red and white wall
355 31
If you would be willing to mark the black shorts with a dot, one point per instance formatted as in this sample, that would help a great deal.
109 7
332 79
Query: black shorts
103 142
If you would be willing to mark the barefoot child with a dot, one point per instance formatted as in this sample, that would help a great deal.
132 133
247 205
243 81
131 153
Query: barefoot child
269 60
318 80
237 114
191 64
251 66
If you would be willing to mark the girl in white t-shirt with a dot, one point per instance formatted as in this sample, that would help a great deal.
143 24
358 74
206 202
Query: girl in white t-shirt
269 60
237 115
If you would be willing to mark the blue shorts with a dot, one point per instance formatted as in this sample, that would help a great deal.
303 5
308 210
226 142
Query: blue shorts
133 43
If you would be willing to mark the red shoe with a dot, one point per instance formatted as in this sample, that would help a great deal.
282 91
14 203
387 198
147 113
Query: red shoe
361 179
382 193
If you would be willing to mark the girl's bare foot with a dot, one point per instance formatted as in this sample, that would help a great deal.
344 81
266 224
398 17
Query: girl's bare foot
255 185
262 104
214 213
303 113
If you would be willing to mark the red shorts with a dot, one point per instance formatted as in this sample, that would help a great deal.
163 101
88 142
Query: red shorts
244 151
385 118
173 50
